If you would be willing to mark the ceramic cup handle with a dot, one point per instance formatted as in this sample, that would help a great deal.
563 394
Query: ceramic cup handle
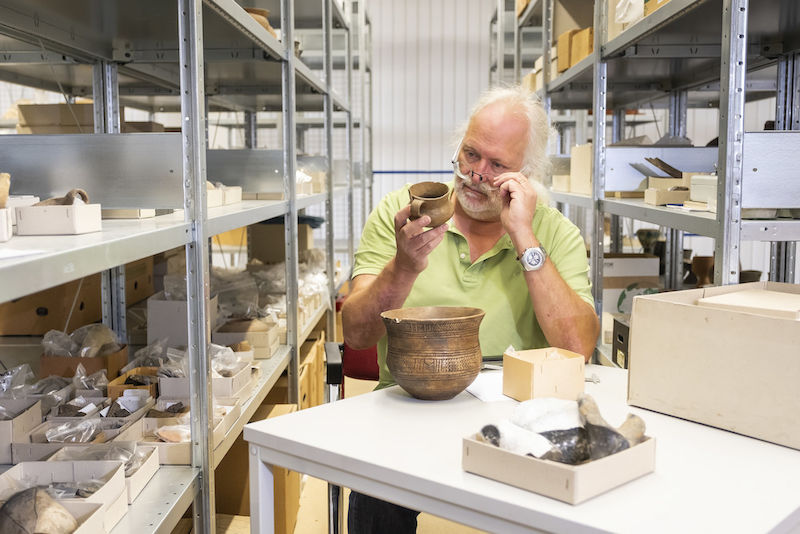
416 205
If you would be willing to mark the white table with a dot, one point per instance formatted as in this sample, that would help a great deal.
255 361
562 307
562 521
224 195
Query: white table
407 451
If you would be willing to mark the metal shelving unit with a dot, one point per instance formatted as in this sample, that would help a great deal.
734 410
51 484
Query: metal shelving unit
192 57
688 53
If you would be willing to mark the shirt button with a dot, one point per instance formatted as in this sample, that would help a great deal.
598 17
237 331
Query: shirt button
462 255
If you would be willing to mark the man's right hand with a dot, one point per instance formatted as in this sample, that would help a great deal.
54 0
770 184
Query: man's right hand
414 243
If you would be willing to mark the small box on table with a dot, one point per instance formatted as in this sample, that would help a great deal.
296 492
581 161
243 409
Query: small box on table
549 372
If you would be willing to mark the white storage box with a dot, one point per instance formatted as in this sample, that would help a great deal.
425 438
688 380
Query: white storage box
19 201
19 428
137 481
168 319
89 516
214 198
262 335
59 220
732 369
231 194
38 448
90 410
549 372
6 225
178 388
703 188
108 496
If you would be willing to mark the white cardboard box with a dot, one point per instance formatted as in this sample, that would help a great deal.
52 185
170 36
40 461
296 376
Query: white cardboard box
168 319
549 372
6 225
729 369
263 336
18 201
214 198
661 197
178 388
89 516
569 483
137 481
38 448
231 194
144 213
59 220
108 496
19 428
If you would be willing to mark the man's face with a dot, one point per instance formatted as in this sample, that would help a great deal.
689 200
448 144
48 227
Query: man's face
494 143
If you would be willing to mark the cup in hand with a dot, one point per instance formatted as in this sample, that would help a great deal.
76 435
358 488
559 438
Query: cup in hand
433 199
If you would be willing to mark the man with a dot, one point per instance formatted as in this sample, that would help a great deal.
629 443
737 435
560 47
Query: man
519 260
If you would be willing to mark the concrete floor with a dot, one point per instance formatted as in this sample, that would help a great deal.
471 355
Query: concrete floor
313 514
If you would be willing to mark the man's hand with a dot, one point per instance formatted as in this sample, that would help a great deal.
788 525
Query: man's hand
414 243
519 202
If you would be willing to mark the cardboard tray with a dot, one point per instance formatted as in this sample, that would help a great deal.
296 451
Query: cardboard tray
178 388
99 402
66 365
568 483
88 515
37 448
135 416
117 386
108 496
58 220
263 336
19 428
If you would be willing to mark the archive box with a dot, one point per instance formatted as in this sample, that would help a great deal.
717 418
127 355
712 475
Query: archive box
549 372
66 365
261 334
36 447
59 220
17 429
169 319
737 369
117 386
569 483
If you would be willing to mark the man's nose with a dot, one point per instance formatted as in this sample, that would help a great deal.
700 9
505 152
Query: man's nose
479 172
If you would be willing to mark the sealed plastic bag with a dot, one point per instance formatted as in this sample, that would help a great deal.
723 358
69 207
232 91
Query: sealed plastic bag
176 364
237 293
16 378
629 11
97 381
95 340
58 343
73 432
174 433
225 362
175 286
150 356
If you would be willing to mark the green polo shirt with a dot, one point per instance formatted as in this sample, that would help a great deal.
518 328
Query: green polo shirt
494 282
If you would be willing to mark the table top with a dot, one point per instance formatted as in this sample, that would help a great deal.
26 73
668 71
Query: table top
409 451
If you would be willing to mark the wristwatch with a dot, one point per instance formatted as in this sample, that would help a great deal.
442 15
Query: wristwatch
533 258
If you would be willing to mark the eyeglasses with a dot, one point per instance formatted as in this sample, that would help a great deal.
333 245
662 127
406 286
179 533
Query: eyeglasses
465 172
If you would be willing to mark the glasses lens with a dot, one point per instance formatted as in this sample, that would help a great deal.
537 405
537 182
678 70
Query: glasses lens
461 170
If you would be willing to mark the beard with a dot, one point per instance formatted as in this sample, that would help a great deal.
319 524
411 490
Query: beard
485 208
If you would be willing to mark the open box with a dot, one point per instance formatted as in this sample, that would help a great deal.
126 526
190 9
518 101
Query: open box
108 496
118 386
17 429
262 335
58 220
178 388
134 416
89 516
569 483
549 372
67 365
36 447
732 369
97 404
135 483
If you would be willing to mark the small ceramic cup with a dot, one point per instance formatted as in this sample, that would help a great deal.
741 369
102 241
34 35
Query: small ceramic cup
433 199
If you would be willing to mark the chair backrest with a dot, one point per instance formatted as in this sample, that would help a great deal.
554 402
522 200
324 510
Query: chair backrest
360 363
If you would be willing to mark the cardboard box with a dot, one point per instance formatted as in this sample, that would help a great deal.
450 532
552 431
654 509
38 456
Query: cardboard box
735 370
117 386
54 129
6 225
549 372
262 335
169 319
58 220
66 365
568 483
233 489
88 515
580 170
572 15
703 188
178 388
139 283
231 194
18 201
58 114
626 276
18 428
38 448
660 197
43 473
651 6
279 394
565 50
268 241
561 182
128 213
582 45
529 81
142 126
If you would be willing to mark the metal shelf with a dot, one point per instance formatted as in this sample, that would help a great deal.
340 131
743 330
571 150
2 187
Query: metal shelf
771 230
69 257
162 502
531 15
604 355
271 370
224 218
700 223
573 199
309 200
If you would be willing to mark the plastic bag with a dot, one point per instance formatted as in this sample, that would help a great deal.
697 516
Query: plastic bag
176 364
629 11
95 340
73 432
237 293
16 377
269 278
175 286
96 381
225 362
174 433
313 260
58 343
150 356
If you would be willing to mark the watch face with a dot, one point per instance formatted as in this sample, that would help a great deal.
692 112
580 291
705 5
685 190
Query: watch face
533 258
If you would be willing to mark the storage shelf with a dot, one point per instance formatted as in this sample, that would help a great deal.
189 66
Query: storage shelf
700 223
242 21
572 199
581 71
309 326
271 370
310 200
604 355
771 230
224 218
162 503
69 257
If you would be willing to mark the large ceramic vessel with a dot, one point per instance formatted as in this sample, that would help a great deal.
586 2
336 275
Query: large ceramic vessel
433 352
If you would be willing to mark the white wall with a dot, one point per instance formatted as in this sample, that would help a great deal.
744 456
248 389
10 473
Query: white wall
430 63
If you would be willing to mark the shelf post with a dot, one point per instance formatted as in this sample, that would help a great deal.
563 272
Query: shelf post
617 134
731 140
599 149
673 252
350 31
193 122
327 53
547 33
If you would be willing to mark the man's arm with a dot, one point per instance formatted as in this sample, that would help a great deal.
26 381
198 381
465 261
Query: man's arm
370 295
567 321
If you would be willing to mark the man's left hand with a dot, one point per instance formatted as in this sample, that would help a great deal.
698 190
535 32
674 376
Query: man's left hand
519 202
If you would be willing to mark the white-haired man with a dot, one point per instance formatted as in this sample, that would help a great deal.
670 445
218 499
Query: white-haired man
504 251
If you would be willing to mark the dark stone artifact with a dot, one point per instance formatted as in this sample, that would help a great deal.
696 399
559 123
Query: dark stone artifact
33 511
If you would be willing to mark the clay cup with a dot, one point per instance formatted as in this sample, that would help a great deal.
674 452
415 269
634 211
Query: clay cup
433 199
